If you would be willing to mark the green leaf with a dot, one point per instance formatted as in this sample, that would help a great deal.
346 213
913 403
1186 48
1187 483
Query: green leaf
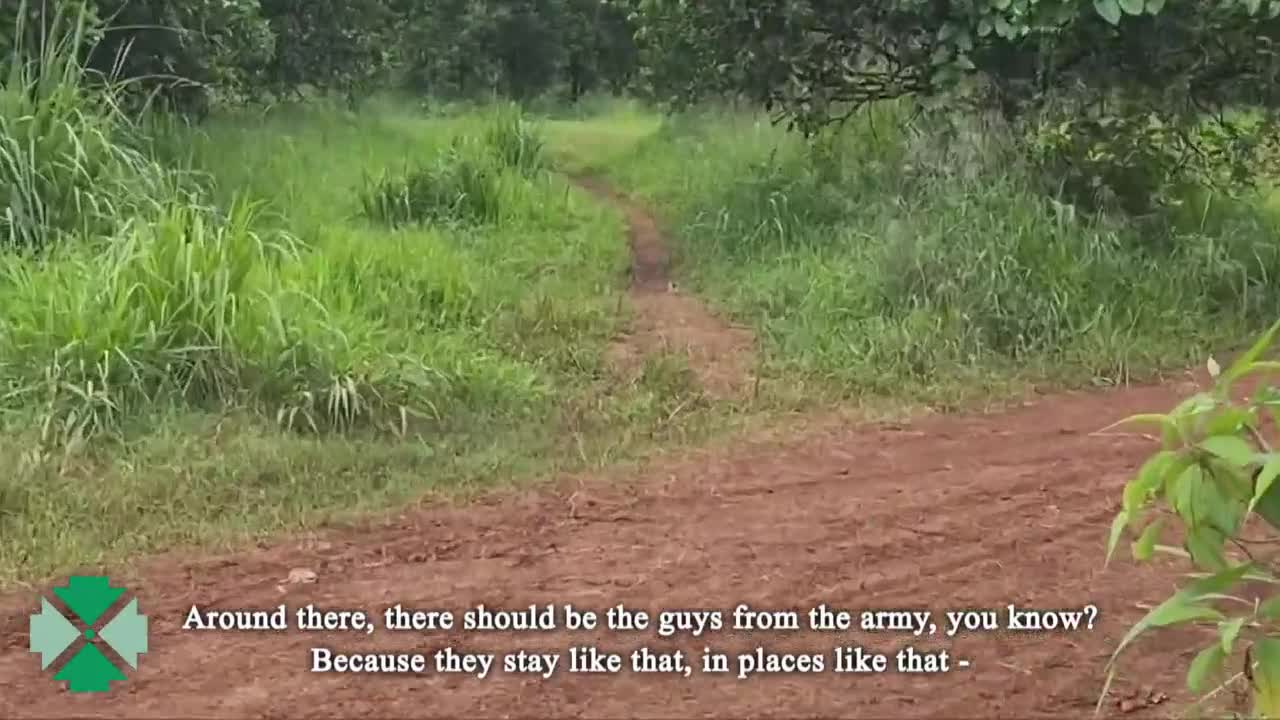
1145 545
1179 614
1117 529
1258 366
1255 351
1215 584
1270 608
1232 420
1207 663
1150 477
1155 6
1268 506
1181 492
1205 545
1230 448
1148 418
1109 10
1193 406
1228 632
1253 6
1266 677
1168 428
1133 7
1182 606
1265 478
1003 29
984 27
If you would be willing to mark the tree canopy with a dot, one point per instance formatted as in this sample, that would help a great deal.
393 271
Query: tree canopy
814 61
1136 96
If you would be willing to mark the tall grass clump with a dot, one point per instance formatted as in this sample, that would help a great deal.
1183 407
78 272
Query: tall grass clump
65 165
187 308
515 141
156 301
477 179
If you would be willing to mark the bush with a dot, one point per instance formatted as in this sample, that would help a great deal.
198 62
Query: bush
143 298
1214 476
1139 163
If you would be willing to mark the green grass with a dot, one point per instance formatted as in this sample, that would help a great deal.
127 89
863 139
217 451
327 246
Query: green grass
255 348
599 139
883 262
291 317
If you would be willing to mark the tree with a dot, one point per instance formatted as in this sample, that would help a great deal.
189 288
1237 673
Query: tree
816 60
1122 87
188 53
329 44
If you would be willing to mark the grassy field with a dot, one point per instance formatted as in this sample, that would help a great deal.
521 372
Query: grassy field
928 265
290 317
312 329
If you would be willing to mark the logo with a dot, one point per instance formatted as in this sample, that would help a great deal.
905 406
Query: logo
88 669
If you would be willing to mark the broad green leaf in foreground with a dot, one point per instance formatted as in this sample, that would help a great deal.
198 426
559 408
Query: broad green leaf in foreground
1231 448
1264 658
1109 10
1205 665
1184 605
1250 356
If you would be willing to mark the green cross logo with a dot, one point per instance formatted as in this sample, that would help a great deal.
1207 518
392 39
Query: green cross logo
88 670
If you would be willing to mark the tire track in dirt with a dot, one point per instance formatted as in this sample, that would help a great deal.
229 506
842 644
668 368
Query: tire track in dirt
666 320
682 533
947 513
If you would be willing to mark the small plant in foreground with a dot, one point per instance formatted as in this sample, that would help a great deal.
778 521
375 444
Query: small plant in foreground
1214 476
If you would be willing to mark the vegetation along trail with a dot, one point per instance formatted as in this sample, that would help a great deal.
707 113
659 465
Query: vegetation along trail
666 320
323 305
947 512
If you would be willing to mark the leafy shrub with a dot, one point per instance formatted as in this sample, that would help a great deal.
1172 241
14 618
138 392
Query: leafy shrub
1214 476
1141 163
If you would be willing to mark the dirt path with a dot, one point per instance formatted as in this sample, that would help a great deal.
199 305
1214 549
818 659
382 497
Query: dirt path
667 320
948 513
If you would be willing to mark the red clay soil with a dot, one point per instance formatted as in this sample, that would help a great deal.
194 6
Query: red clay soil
949 513
666 320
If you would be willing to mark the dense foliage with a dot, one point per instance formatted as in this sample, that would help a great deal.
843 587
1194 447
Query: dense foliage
813 59
192 53
1126 99
1119 101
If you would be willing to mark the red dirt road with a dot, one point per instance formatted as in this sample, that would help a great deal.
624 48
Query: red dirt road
667 320
947 513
